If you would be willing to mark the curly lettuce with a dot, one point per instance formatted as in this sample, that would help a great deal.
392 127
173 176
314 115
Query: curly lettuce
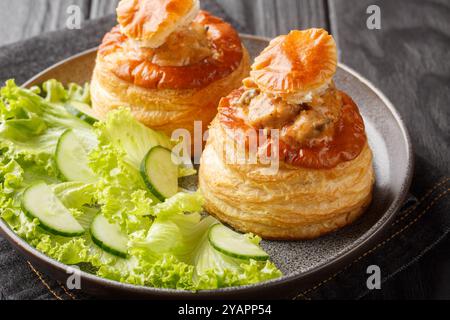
168 241
185 237
30 125
132 137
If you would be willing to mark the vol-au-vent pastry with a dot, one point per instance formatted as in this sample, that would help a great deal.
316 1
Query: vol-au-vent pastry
324 176
169 63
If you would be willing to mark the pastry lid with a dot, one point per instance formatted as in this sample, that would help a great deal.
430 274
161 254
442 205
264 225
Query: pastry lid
297 64
150 22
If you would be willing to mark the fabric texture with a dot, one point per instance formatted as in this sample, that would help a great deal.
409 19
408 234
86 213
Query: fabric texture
419 226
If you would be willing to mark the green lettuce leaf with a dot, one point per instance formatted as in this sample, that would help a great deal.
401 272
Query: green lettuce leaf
168 241
135 139
31 125
131 136
66 250
120 191
217 270
75 194
181 202
70 251
180 231
11 177
165 272
78 93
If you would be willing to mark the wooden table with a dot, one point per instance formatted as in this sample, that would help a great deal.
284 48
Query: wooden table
408 58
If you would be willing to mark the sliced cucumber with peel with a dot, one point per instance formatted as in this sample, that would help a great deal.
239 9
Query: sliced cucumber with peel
109 237
40 202
234 244
160 173
72 160
82 111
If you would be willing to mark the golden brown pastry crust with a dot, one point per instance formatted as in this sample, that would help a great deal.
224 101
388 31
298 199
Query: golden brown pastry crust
134 64
325 176
164 110
295 203
168 98
150 22
345 142
296 64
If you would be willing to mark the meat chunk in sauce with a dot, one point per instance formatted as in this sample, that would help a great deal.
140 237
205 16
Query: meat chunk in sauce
309 127
305 124
185 47
317 123
268 112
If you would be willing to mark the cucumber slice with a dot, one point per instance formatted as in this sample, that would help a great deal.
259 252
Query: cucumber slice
40 202
160 173
109 237
82 111
72 160
234 244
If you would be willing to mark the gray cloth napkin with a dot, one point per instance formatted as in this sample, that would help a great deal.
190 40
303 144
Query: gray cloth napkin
422 223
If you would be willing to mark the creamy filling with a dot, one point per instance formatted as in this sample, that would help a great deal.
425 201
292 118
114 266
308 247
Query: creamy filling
185 47
307 96
268 112
306 123
161 37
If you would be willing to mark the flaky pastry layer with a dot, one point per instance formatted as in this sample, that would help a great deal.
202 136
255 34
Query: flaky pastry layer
162 109
296 66
295 203
150 22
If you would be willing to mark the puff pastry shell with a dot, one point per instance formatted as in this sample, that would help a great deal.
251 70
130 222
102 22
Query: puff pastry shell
168 98
325 176
295 203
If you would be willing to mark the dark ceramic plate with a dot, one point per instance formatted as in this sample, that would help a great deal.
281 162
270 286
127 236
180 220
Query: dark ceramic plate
302 262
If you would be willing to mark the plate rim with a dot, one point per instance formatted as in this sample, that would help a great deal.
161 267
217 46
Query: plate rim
340 259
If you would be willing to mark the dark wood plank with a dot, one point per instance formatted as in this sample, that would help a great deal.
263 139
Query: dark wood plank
409 60
21 19
270 18
262 17
100 8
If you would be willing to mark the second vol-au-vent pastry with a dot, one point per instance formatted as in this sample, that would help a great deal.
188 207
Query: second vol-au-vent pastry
325 176
169 63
